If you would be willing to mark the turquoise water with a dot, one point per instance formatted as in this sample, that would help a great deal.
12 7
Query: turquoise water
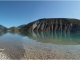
40 45
54 38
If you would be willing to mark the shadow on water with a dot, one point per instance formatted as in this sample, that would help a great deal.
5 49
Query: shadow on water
12 45
54 37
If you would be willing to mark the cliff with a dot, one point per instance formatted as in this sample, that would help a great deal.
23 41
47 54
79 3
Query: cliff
53 24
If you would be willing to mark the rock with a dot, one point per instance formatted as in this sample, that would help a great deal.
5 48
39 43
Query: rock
53 24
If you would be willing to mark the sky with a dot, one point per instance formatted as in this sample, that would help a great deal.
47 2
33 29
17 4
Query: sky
15 13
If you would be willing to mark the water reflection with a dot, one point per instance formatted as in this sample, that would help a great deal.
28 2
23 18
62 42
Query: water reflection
55 38
16 45
13 32
2 33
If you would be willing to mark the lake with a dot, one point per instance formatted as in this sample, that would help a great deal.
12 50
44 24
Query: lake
39 45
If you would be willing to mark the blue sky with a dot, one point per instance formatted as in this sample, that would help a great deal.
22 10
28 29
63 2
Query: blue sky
15 13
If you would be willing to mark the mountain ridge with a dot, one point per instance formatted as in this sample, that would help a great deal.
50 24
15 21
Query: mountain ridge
53 24
48 24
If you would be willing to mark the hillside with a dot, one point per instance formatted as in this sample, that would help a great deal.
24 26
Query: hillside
21 26
13 28
2 28
53 24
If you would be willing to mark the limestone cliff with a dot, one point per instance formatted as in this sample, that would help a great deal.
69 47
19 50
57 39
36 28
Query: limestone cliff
53 24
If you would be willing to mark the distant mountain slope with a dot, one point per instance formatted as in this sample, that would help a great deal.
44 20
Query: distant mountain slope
2 28
13 28
21 26
53 24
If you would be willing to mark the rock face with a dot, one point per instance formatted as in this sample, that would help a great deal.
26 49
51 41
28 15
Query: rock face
53 24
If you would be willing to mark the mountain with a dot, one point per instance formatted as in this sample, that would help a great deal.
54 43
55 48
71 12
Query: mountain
21 26
13 28
53 24
2 28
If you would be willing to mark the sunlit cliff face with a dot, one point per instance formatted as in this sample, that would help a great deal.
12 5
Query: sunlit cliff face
54 24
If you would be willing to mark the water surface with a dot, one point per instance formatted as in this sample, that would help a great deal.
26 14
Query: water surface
40 45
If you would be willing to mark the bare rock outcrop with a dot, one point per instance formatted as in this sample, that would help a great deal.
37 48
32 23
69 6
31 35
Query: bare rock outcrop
53 24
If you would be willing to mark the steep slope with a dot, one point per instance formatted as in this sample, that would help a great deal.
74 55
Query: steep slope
53 24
